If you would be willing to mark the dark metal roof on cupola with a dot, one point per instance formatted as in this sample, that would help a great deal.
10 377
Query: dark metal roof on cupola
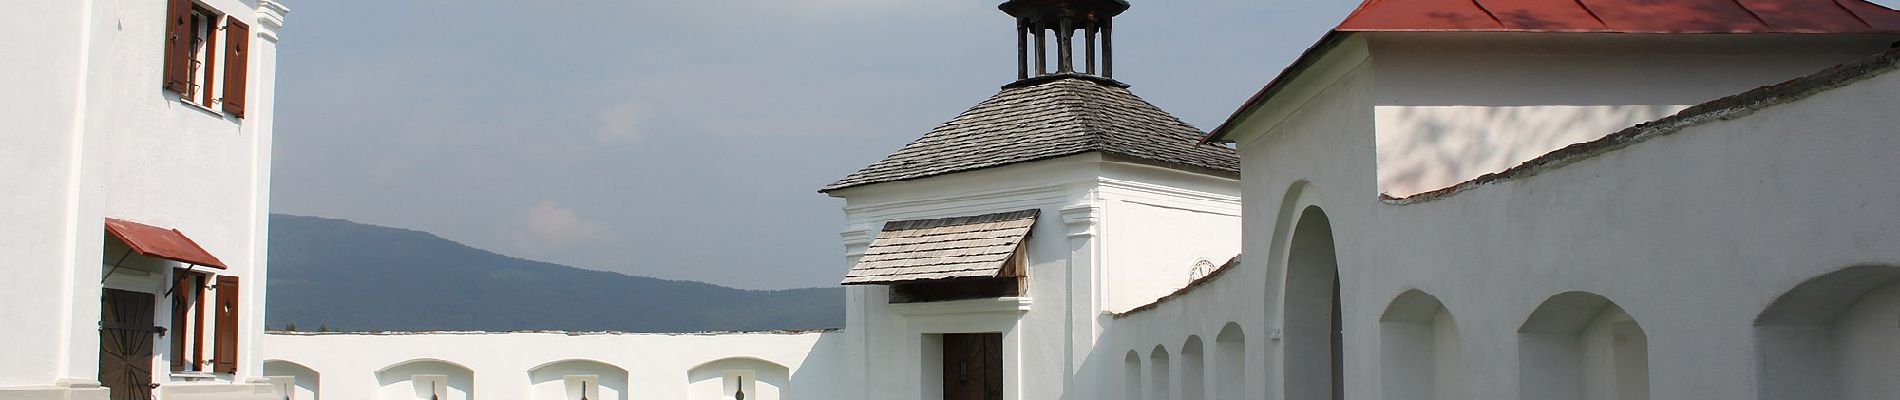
1048 114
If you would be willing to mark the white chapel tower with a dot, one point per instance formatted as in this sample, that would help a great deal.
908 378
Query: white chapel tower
986 256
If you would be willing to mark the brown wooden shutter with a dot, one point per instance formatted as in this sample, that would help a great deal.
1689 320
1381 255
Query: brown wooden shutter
181 306
237 59
225 359
178 37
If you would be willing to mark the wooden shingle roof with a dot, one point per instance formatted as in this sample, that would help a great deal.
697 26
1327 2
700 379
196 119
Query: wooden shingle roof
1049 117
949 248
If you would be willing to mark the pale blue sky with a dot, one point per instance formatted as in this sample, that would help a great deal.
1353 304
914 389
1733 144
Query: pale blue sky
683 139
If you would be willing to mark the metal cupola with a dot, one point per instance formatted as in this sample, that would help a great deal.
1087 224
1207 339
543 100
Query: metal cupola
1038 19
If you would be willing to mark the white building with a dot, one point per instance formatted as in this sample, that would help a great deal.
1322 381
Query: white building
1444 199
138 145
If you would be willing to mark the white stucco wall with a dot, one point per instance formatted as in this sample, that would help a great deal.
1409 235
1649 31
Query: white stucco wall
1326 127
1693 234
533 366
93 135
1153 236
43 135
1867 351
1087 202
1453 106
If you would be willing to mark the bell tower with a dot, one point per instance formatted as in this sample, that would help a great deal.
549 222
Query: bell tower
979 264
1036 20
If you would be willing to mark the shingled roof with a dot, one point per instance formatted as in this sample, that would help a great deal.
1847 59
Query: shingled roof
980 246
1049 117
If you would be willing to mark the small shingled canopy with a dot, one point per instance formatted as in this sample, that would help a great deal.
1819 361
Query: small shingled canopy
170 244
980 246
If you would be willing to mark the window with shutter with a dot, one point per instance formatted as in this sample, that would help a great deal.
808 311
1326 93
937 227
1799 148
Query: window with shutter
178 46
192 67
200 56
236 64
225 359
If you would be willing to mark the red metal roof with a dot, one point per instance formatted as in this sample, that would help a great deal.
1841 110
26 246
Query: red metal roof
1625 16
159 242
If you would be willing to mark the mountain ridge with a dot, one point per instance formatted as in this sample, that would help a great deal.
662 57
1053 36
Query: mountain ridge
345 275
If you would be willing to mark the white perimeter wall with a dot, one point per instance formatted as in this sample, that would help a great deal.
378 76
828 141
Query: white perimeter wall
1692 234
1453 106
505 365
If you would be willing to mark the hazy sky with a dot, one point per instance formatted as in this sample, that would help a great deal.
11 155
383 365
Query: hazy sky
683 139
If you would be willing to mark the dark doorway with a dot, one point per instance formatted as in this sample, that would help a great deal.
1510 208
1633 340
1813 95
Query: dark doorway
973 366
125 344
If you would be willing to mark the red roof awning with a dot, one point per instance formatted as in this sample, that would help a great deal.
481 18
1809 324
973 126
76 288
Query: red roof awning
153 241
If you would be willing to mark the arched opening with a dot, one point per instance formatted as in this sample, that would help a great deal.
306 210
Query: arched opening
1312 344
303 382
1581 346
1158 370
1419 355
425 379
577 380
1832 337
1131 376
723 378
1193 370
1230 355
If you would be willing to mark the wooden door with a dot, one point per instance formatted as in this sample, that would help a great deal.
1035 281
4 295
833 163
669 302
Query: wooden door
973 366
125 344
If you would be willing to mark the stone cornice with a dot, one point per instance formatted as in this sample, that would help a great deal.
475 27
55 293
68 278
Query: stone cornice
270 17
907 206
1083 215
857 238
